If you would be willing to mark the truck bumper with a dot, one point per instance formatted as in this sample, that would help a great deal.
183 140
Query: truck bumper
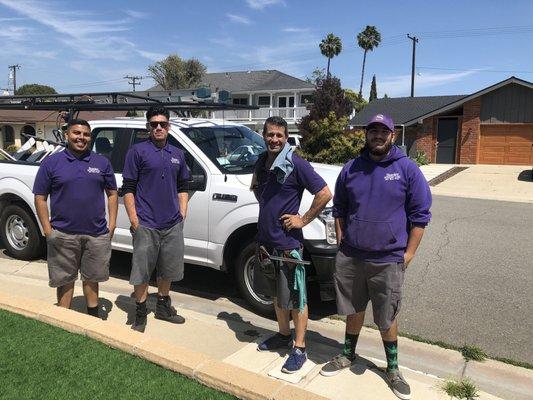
323 259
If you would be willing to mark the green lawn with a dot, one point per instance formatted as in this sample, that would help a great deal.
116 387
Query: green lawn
38 361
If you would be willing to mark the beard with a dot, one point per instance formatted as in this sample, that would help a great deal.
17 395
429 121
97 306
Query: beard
380 151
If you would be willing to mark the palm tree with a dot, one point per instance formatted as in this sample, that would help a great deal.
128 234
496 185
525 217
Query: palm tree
330 47
369 39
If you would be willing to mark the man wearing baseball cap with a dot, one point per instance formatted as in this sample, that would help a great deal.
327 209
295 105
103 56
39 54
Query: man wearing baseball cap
381 207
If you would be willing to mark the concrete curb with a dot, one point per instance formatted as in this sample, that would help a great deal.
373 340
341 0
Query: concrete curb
213 373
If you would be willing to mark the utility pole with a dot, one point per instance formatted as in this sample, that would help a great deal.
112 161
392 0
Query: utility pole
415 41
14 70
133 80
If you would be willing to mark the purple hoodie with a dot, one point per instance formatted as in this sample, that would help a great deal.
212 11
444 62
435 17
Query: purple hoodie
379 202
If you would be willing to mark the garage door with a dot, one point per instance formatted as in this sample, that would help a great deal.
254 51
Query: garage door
506 144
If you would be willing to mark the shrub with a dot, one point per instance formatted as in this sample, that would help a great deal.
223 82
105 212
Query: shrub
420 158
460 389
12 148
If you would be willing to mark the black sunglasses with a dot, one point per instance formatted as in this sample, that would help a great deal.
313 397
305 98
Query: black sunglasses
164 124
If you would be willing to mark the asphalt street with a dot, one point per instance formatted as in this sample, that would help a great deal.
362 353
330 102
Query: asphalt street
470 282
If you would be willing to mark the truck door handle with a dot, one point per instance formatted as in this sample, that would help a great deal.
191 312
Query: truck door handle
231 198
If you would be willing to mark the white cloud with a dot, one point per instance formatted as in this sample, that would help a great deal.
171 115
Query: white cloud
400 85
92 38
261 4
225 41
137 14
51 55
296 30
15 32
238 19
151 55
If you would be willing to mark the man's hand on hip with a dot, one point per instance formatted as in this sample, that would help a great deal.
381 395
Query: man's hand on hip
292 222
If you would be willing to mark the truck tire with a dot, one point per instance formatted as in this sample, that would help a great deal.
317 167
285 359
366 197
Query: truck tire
20 233
244 275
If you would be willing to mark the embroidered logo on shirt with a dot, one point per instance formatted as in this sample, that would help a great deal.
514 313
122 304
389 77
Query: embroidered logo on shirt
395 176
92 170
174 160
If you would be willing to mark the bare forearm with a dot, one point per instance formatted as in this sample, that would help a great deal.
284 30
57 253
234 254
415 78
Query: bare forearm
112 206
129 204
318 204
415 237
183 200
42 213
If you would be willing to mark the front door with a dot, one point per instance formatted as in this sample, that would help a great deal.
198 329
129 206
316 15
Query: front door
285 101
446 140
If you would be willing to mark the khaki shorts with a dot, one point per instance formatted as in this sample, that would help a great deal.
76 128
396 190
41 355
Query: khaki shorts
159 249
357 282
70 253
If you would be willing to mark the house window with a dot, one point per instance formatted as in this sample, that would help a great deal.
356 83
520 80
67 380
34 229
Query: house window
306 99
263 101
285 101
9 135
242 101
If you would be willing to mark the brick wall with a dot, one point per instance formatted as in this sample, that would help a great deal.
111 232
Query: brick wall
470 132
426 138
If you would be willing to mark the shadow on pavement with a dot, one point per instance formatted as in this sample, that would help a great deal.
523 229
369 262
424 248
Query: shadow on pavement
104 306
526 175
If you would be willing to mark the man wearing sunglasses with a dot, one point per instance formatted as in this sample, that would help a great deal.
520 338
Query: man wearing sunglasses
155 186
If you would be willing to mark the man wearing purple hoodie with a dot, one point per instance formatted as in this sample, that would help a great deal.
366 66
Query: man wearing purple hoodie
381 207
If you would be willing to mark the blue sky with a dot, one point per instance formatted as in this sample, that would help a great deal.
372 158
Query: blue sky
81 46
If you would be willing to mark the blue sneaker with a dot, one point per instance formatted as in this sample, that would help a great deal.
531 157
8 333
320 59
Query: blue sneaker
275 342
294 363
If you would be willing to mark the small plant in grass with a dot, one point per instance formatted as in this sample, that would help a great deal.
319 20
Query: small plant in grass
421 158
473 353
12 148
460 389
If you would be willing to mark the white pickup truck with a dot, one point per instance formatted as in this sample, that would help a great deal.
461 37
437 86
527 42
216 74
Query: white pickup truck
222 220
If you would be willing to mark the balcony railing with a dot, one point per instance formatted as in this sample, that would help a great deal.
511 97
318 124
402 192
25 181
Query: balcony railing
290 113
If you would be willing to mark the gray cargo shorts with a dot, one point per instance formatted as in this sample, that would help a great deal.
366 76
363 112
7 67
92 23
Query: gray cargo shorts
159 249
70 253
280 282
357 282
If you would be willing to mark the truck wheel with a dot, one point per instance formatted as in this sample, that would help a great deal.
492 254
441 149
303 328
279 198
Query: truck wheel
20 233
245 274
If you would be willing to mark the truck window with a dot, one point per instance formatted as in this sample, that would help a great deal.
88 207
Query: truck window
140 135
113 144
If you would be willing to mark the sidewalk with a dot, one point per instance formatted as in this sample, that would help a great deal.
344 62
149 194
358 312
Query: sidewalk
224 332
490 182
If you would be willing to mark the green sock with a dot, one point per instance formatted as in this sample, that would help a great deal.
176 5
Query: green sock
391 351
350 341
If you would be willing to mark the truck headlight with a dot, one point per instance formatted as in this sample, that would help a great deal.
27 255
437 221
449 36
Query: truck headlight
326 216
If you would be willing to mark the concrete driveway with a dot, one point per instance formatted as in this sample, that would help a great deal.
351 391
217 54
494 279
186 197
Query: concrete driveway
492 182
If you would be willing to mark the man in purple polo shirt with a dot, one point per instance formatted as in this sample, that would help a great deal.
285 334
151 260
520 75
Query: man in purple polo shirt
78 237
155 185
381 207
279 180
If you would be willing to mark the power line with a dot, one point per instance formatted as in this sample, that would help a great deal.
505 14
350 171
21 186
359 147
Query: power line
478 70
132 80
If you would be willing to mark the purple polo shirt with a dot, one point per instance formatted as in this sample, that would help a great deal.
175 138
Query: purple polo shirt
76 187
157 172
276 199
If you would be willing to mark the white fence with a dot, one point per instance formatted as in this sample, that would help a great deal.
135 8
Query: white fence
290 113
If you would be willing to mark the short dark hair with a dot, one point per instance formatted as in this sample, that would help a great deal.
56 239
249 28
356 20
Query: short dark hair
78 121
276 121
157 110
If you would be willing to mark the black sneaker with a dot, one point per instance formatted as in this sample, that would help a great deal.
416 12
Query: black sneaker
398 385
275 342
141 312
336 365
164 311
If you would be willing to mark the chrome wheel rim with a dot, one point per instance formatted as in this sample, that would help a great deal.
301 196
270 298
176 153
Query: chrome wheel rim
249 281
17 232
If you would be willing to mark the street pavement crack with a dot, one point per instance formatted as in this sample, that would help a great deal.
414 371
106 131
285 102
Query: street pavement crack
438 254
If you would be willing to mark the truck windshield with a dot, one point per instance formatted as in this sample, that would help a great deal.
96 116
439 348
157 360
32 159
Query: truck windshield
233 149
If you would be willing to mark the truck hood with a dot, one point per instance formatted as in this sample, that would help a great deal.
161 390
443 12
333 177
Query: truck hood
328 172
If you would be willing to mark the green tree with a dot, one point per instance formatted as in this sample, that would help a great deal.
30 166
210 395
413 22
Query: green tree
373 90
317 75
330 142
385 96
368 40
175 73
329 96
34 89
330 47
357 102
